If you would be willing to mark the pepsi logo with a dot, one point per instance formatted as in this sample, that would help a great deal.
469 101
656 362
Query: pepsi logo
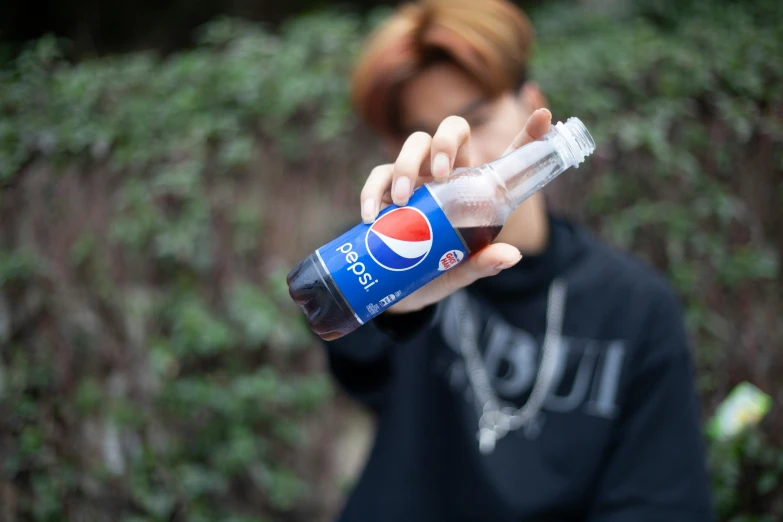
401 239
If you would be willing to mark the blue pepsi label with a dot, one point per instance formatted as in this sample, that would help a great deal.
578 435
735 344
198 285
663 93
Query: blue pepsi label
377 265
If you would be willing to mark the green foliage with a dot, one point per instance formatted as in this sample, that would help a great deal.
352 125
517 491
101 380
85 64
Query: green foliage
152 366
733 462
181 391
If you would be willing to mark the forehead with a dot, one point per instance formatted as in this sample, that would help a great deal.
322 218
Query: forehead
438 91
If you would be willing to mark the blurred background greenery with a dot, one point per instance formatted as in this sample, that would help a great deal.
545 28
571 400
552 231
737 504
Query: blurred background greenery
160 173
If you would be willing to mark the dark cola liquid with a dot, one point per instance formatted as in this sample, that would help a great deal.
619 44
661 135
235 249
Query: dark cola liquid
327 311
477 238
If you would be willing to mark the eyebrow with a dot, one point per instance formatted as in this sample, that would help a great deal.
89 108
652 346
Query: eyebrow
466 110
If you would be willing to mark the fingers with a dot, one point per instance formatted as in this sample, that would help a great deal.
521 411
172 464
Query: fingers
399 179
487 262
374 189
447 150
450 147
412 158
537 125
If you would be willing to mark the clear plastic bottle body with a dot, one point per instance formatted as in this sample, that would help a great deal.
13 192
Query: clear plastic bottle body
476 202
483 197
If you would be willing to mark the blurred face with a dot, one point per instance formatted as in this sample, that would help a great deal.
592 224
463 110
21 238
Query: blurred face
444 90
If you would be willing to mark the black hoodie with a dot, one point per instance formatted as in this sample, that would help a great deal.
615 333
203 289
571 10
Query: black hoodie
616 439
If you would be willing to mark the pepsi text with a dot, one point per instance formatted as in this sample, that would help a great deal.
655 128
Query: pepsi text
353 257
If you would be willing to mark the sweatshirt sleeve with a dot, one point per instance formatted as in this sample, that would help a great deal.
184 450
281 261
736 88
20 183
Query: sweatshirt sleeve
363 361
656 470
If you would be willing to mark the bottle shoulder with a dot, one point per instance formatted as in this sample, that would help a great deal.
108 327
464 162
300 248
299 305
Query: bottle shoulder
473 197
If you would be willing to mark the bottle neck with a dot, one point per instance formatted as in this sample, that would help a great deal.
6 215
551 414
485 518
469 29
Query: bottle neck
576 139
528 169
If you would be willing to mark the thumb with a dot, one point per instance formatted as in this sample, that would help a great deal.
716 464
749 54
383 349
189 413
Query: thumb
536 126
488 261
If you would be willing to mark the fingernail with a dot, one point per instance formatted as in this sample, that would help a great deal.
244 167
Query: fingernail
507 264
368 210
544 109
402 190
440 166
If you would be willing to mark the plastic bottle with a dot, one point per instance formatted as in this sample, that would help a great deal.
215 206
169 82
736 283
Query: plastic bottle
352 279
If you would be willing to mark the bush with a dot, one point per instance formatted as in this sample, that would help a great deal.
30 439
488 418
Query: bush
152 367
155 368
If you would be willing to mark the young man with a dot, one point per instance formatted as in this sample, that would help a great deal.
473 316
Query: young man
568 359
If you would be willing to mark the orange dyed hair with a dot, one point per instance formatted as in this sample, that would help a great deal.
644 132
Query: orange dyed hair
489 39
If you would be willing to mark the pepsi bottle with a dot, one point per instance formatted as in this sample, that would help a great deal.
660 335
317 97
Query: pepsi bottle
347 282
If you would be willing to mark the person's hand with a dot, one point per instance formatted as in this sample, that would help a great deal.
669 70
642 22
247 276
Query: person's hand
422 159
